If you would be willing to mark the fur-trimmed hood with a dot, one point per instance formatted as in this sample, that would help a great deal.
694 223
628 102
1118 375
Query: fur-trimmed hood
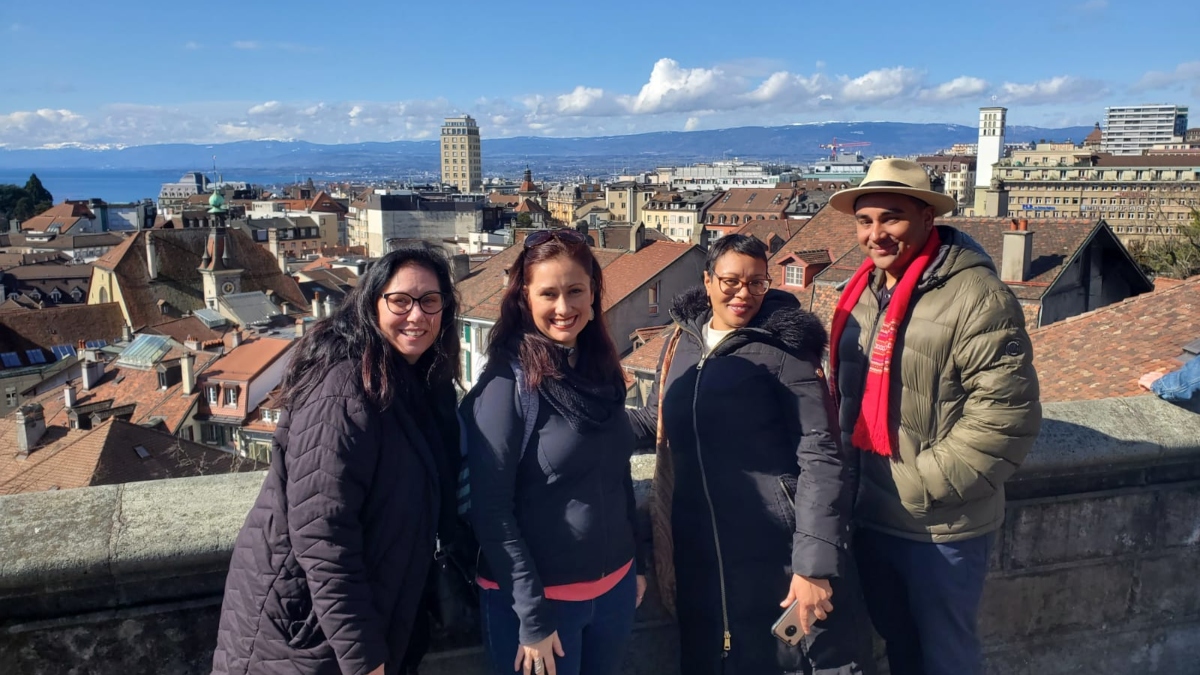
780 319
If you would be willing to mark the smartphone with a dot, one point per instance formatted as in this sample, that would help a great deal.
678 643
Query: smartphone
787 626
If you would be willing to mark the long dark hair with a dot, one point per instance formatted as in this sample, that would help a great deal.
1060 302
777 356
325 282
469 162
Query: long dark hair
515 329
352 334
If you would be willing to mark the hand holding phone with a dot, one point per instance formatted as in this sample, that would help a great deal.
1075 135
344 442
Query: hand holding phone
787 627
808 601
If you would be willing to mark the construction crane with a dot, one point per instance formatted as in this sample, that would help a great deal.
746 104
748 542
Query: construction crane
836 147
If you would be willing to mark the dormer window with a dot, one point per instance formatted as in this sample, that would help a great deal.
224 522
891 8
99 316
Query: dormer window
212 392
265 415
231 397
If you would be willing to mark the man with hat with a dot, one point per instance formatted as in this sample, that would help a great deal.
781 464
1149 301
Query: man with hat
933 372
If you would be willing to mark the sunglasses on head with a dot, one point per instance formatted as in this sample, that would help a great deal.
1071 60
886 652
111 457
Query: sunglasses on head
564 235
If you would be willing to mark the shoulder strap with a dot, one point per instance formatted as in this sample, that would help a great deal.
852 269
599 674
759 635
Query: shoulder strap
527 404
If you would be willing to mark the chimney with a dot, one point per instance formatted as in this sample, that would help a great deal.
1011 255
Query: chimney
31 426
235 339
328 306
317 307
299 328
188 377
191 343
69 396
284 308
637 237
127 333
92 368
1018 253
460 267
504 283
151 256
276 250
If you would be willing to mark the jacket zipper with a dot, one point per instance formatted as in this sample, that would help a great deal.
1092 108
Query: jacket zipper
712 513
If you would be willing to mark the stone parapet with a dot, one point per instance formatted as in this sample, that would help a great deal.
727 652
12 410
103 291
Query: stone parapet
1096 570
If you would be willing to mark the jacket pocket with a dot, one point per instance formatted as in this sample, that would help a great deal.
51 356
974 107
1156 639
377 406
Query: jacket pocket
785 500
294 614
305 634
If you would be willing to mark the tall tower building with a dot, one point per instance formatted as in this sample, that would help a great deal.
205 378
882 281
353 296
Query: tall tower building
991 149
461 164
1130 129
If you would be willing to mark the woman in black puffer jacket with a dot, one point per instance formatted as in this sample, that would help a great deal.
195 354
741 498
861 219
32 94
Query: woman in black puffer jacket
760 511
328 572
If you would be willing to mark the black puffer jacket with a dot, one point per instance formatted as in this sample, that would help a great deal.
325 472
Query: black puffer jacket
328 571
749 426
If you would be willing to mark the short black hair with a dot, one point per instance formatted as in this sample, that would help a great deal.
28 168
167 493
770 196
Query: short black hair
734 243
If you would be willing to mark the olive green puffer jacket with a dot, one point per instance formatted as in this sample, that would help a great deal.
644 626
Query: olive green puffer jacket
963 391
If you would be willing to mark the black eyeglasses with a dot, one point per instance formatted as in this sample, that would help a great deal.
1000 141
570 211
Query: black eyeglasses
731 285
564 235
400 304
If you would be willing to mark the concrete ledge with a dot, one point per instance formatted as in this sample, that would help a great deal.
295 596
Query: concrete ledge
1099 559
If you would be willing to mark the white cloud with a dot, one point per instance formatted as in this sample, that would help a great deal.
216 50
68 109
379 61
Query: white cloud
586 101
692 124
1061 89
958 88
1184 73
270 109
191 45
881 85
675 89
38 127
246 44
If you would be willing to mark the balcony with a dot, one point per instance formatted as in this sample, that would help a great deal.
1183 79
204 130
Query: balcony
1097 568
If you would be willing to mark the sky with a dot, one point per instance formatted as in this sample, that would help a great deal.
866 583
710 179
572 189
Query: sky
137 72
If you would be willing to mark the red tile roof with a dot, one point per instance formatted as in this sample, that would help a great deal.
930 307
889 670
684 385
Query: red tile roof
66 215
179 283
105 455
645 358
631 271
66 325
753 201
1101 354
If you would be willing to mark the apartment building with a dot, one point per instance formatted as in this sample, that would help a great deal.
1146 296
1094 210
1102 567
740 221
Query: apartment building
1131 129
461 163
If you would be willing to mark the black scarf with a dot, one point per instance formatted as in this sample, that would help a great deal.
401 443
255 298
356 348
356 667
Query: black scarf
586 405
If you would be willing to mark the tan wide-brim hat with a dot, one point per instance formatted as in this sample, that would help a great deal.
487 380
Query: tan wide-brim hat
895 176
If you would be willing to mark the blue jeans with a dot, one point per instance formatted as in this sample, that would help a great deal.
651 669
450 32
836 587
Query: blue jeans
923 599
594 633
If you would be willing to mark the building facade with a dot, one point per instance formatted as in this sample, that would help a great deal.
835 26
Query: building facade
1129 130
461 161
678 214
382 217
1138 196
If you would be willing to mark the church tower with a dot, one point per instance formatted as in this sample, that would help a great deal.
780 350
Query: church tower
990 150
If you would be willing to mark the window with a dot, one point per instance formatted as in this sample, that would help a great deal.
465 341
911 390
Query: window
793 275
266 415
212 395
655 288
10 399
212 434
231 396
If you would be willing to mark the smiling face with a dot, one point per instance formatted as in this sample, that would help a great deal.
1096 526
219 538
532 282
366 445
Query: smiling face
413 332
559 293
738 309
892 229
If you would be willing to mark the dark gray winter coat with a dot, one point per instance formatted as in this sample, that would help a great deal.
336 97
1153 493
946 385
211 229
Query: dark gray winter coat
762 488
328 571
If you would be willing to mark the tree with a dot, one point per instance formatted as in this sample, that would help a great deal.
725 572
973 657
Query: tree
38 192
1177 257
524 220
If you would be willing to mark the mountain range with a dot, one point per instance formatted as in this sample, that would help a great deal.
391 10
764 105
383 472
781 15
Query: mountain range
549 157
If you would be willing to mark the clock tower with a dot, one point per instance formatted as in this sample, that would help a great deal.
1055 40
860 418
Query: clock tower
217 268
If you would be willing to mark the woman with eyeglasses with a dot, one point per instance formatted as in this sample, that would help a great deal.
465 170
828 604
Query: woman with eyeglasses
759 513
329 571
548 447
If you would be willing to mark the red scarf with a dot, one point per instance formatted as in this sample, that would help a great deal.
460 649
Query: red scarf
872 429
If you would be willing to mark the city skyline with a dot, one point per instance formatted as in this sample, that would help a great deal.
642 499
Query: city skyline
151 73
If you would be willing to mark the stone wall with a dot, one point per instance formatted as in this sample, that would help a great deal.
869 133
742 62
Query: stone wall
1096 571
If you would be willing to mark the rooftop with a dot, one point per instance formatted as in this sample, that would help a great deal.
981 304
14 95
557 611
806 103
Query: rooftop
247 360
1101 354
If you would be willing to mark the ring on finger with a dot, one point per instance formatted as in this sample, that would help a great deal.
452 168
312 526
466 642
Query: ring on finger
539 666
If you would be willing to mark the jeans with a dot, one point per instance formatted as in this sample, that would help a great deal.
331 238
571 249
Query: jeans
923 599
594 633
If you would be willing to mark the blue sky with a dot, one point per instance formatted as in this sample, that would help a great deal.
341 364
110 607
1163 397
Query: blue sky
133 72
